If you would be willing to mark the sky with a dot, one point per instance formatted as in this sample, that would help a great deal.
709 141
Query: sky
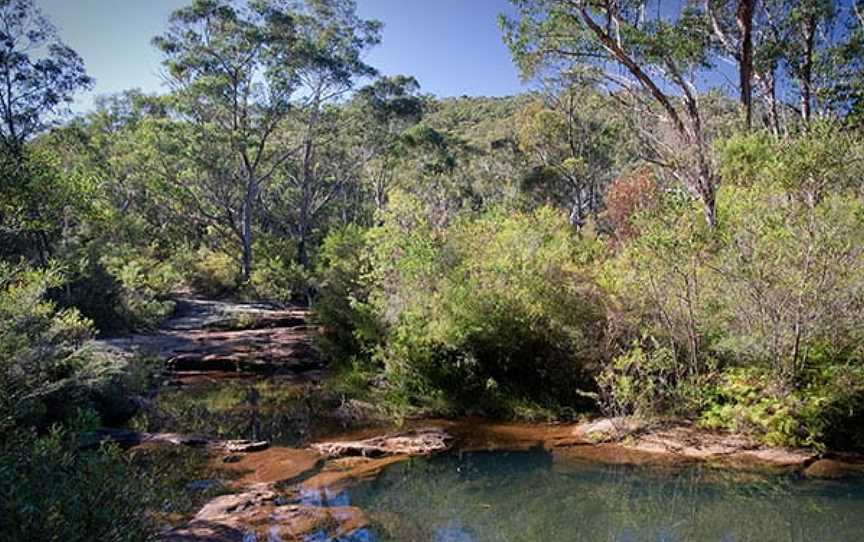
452 47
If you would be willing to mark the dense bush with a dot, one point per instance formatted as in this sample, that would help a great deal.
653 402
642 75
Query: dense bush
50 384
278 281
47 369
827 410
490 310
146 283
650 381
51 491
351 325
208 272
746 320
40 347
661 288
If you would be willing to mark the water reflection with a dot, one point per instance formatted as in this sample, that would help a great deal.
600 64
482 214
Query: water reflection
496 497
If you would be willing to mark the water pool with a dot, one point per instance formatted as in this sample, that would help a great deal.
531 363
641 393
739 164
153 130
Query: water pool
529 497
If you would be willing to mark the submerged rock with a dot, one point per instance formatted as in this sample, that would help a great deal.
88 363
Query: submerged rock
834 468
261 513
274 465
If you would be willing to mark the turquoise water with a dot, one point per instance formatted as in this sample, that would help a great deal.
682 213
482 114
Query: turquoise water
526 497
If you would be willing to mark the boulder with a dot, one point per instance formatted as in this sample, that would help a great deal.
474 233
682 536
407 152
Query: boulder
608 429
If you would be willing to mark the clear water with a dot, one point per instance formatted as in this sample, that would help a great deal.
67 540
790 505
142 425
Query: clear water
526 497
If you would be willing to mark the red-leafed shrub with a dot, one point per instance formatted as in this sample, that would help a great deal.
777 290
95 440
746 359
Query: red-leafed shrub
625 197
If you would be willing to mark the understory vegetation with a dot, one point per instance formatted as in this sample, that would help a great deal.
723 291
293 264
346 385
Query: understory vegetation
629 238
750 326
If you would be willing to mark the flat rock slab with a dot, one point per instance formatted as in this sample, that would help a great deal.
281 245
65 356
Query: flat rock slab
223 339
688 442
192 314
273 465
129 439
414 442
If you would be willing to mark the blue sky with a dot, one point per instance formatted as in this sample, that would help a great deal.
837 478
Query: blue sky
452 47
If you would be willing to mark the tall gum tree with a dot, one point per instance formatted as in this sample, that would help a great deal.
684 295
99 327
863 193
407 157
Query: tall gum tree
233 68
648 54
332 40
39 75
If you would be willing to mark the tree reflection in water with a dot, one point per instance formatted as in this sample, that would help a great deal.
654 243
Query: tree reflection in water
526 497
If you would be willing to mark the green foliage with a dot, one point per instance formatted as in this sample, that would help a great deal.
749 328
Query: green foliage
826 158
207 271
276 278
276 281
764 307
659 283
649 381
145 284
40 347
350 324
51 491
827 410
490 308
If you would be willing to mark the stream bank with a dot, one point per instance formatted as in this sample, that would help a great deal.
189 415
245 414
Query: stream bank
244 371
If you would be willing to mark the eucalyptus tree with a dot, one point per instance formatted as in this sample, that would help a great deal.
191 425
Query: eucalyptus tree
570 140
39 74
659 53
805 57
233 68
732 23
38 77
331 39
388 107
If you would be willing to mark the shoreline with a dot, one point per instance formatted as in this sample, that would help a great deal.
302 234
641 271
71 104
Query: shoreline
292 491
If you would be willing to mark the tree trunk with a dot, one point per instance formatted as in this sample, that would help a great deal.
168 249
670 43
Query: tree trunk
248 211
807 69
744 17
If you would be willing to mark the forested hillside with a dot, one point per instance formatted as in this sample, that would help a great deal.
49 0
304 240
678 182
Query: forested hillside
670 225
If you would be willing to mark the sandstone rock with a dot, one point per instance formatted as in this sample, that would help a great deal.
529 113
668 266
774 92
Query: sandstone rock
245 446
415 442
276 464
608 429
833 468
259 514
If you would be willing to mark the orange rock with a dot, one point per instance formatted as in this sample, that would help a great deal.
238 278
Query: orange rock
272 465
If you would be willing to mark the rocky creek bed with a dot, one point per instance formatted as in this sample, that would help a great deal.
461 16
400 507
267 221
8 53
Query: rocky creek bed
278 492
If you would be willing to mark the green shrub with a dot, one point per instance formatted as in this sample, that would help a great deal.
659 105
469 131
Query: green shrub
146 283
660 283
791 280
122 289
649 381
350 326
40 346
278 281
486 310
208 272
827 411
51 491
